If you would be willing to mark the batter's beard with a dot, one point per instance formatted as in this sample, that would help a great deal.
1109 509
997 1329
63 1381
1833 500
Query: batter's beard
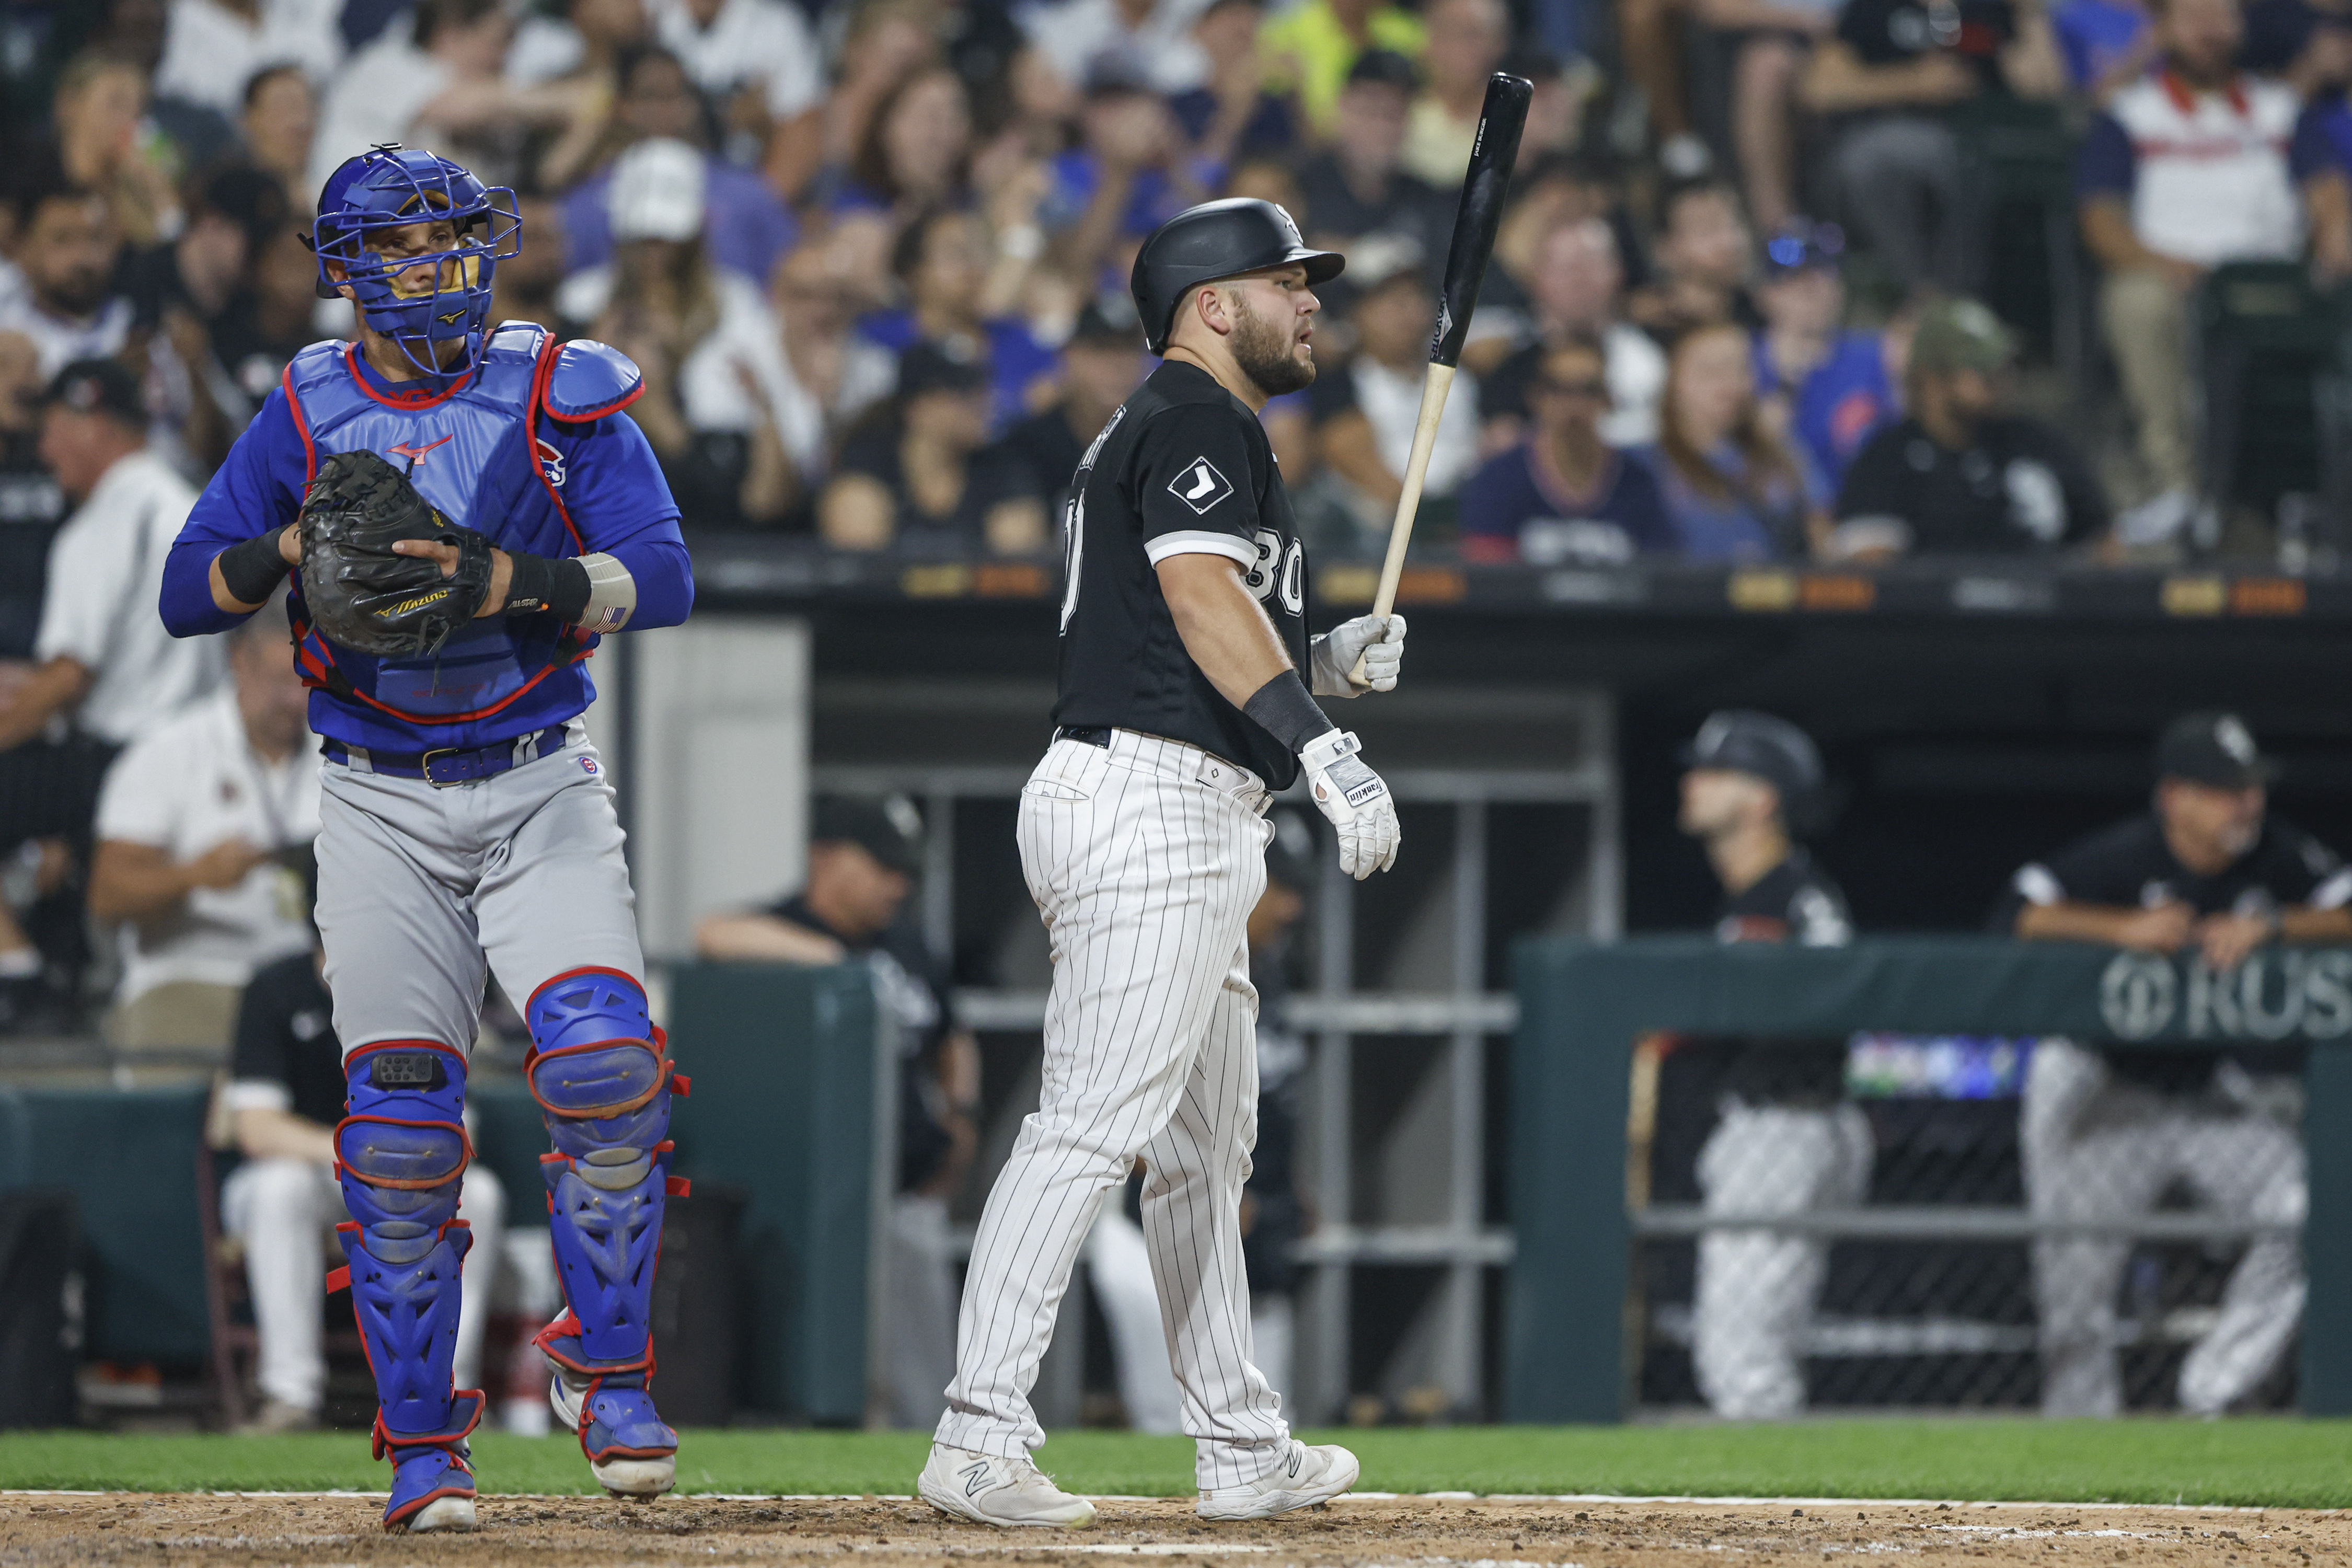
1264 353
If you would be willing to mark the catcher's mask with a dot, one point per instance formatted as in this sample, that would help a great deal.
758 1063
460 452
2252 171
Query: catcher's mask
389 187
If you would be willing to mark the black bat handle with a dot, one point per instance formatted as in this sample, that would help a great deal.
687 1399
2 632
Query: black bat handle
1501 119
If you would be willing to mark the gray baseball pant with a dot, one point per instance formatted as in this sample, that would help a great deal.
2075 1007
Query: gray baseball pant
424 891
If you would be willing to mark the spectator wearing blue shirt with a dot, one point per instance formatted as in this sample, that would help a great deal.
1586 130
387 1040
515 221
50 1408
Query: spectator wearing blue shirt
1734 491
1831 384
2106 43
942 261
2189 169
745 227
1133 174
1564 495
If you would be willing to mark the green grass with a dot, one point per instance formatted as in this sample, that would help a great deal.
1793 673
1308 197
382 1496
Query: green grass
2277 1463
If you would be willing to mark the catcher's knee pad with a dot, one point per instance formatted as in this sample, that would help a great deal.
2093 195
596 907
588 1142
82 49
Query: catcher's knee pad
401 1152
598 1071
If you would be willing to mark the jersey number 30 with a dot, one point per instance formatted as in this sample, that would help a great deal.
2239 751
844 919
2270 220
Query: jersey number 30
1289 575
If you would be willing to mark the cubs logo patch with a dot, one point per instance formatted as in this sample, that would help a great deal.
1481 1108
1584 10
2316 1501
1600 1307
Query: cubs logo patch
551 460
1199 486
588 765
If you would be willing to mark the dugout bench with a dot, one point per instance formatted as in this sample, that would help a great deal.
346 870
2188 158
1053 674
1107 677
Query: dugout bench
1583 1006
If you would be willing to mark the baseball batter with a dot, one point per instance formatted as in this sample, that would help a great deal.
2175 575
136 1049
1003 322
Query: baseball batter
468 519
1142 837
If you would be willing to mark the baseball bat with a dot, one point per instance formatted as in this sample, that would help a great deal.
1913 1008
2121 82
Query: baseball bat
1495 148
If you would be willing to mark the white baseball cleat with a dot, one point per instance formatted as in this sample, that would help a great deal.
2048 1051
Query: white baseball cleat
448 1513
623 1476
1306 1476
987 1490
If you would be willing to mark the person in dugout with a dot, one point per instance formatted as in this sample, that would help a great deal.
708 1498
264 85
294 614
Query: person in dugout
2209 873
1786 1141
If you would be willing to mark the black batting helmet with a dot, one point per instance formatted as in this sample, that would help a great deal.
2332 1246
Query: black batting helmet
1212 241
1773 749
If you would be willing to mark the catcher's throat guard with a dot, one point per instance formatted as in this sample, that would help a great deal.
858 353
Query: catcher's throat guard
357 590
424 298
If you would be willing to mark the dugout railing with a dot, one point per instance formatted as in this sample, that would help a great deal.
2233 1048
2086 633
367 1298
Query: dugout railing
1590 1019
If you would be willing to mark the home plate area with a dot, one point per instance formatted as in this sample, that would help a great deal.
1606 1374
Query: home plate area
1458 1532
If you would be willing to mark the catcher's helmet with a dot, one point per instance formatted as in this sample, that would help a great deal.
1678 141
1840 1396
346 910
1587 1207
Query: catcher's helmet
386 187
1215 240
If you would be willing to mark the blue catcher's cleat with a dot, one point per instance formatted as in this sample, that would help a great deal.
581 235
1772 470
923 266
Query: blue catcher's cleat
431 1490
630 1452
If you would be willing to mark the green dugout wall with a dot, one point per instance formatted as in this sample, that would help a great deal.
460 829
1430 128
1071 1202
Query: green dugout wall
786 1105
1583 1006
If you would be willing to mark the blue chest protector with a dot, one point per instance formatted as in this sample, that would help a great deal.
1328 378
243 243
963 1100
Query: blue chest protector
478 453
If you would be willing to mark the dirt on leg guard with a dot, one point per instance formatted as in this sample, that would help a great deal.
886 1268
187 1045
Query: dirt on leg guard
598 1074
401 1152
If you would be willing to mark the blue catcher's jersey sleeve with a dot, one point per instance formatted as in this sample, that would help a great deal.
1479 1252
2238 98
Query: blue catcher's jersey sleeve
258 487
622 506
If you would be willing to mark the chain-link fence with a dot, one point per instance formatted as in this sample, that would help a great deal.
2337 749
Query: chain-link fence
1893 1220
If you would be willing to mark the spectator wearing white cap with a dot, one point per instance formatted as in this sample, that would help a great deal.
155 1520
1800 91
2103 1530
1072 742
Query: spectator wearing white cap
735 432
746 227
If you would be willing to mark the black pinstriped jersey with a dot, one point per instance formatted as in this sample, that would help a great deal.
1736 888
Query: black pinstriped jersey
1183 467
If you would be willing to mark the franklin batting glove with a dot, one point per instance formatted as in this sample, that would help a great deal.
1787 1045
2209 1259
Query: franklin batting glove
1356 802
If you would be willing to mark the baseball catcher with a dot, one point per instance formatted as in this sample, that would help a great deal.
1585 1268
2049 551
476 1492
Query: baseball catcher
468 519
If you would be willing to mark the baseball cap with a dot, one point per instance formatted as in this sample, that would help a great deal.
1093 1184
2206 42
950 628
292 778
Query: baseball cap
1743 741
927 367
888 828
1802 247
1384 65
1109 321
2212 748
657 191
1961 335
99 386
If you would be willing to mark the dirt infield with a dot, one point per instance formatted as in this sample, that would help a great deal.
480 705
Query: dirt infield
1473 1532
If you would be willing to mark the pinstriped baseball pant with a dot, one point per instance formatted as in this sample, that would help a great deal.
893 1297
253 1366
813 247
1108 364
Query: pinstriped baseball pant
1145 859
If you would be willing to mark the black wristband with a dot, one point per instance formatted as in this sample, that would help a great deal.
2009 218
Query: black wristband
1286 709
253 569
539 584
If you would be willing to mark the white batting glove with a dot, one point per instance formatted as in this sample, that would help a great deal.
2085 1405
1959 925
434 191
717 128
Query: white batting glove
1378 640
1356 802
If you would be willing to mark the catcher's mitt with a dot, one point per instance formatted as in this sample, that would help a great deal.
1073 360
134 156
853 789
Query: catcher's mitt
359 593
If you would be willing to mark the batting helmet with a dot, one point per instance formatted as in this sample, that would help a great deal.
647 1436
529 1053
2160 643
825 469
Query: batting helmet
1773 749
388 187
1212 241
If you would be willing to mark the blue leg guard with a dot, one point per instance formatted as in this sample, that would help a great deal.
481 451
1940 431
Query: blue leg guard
401 1152
597 1070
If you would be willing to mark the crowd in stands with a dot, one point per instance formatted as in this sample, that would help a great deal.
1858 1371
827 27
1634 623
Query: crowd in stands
871 254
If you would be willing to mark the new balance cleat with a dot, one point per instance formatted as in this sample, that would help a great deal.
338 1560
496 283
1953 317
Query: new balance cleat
1307 1476
1007 1493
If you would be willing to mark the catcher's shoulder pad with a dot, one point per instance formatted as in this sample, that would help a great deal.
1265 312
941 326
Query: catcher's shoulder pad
591 380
